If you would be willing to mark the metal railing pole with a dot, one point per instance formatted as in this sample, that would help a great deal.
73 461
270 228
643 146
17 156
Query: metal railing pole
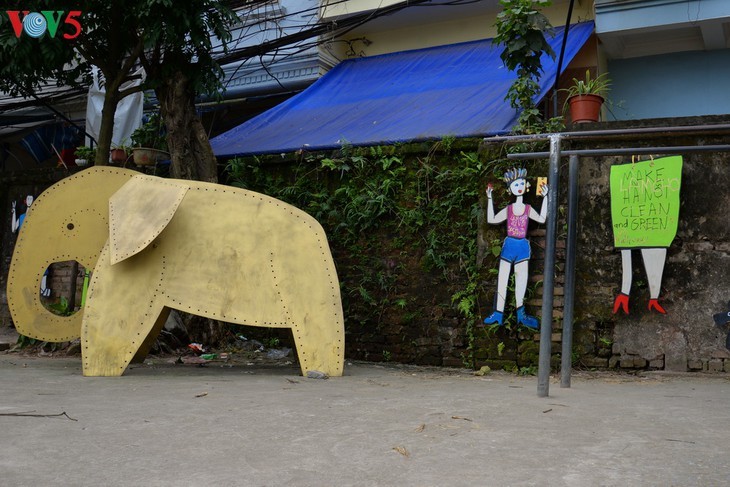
615 133
566 362
627 151
546 329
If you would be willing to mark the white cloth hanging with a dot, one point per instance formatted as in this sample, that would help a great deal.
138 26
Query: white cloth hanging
128 115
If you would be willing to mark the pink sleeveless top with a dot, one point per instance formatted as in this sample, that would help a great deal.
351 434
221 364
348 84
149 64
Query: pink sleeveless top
517 225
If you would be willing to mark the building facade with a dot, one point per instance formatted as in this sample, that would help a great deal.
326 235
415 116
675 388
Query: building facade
667 58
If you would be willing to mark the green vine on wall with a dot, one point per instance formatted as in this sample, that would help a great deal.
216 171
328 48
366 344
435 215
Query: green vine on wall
386 209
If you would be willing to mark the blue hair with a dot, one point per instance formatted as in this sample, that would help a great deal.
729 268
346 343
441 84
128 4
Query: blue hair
514 174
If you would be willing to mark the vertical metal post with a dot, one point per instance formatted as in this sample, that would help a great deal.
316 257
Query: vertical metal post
546 328
570 251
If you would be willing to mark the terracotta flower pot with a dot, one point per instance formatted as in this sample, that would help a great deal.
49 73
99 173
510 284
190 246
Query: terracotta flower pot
585 108
118 155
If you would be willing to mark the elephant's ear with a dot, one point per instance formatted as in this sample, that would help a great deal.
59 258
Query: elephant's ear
139 211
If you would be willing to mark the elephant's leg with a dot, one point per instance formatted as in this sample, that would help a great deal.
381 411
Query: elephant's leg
306 283
112 336
124 304
308 293
146 346
318 326
320 342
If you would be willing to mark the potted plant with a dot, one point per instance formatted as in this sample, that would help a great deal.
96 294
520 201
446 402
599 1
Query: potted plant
120 153
149 142
586 96
84 154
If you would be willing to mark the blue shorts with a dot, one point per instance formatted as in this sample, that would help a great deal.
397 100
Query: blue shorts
515 250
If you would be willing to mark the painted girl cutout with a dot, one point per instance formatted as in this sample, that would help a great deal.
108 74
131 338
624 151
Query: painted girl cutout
516 248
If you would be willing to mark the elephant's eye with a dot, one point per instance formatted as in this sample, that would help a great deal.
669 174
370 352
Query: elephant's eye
70 226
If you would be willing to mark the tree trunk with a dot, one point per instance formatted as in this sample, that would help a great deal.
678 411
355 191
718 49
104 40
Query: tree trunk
190 151
106 130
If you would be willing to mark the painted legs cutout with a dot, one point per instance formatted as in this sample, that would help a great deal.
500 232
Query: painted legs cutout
654 266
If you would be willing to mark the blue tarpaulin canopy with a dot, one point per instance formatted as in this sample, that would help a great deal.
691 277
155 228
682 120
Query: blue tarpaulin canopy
454 90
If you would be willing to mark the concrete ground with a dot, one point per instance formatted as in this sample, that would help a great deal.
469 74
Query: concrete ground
166 424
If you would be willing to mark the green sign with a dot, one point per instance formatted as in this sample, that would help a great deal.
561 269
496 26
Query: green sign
645 202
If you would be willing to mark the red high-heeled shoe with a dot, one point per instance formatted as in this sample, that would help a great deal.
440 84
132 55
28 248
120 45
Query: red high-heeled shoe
621 301
654 305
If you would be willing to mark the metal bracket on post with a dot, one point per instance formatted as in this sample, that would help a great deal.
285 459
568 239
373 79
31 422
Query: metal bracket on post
546 328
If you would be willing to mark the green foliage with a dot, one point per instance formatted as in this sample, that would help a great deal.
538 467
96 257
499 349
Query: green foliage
447 142
528 370
178 38
521 27
61 307
388 210
467 303
427 208
521 30
24 341
575 356
85 152
150 134
600 85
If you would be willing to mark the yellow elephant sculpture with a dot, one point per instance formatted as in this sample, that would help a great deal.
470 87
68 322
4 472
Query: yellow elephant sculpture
157 244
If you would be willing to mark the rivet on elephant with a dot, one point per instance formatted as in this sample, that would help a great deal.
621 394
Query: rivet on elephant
155 244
